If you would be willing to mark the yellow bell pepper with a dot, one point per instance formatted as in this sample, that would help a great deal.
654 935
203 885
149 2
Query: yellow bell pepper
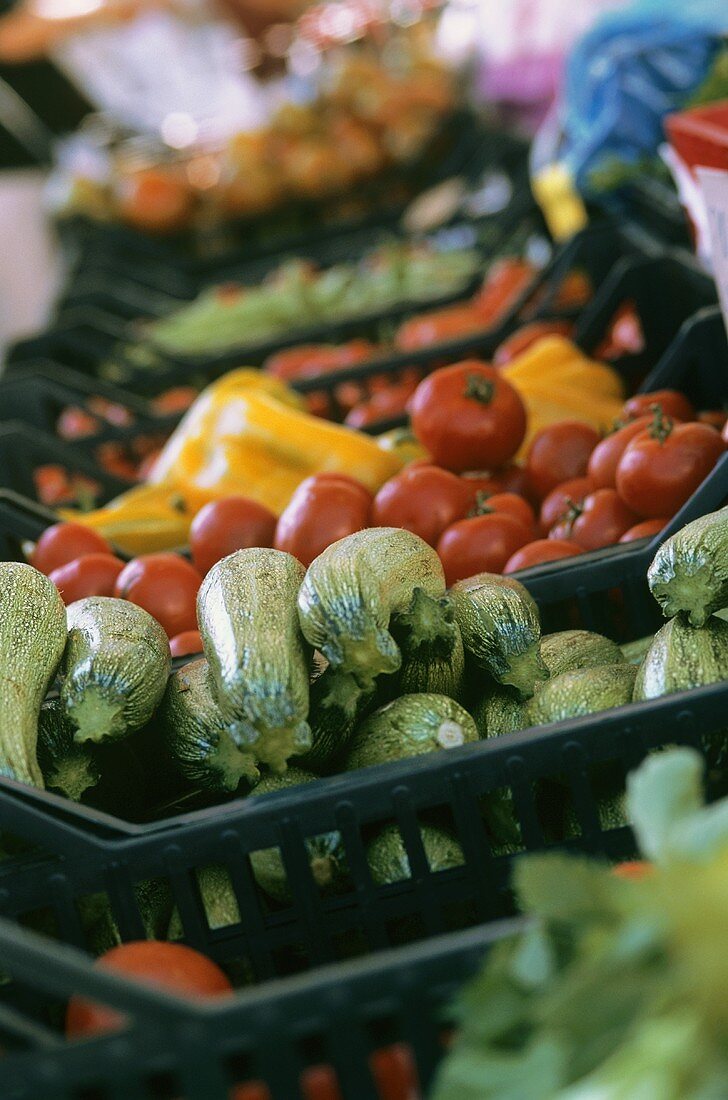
247 436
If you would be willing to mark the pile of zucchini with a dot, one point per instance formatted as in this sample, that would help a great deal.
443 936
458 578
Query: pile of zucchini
363 659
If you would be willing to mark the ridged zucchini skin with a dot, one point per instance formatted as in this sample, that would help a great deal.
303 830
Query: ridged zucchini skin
114 670
572 650
155 902
411 726
689 572
438 675
682 657
500 711
588 691
337 705
68 768
218 899
258 657
353 590
500 625
197 737
326 853
32 640
388 860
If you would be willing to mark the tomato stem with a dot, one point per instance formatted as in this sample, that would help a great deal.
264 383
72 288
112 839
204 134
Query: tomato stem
481 507
479 389
661 427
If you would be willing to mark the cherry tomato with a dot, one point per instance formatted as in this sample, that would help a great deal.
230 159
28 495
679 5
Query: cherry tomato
439 327
224 526
513 478
481 484
468 417
166 586
321 511
63 543
395 1073
506 281
526 336
509 504
604 459
482 544
382 405
54 485
559 453
76 423
155 201
541 551
715 417
170 966
672 402
90 575
664 465
600 521
178 399
424 500
647 529
557 503
186 644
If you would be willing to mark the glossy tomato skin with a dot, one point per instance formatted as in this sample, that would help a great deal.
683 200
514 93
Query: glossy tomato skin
187 644
604 459
479 484
559 453
513 478
424 500
603 519
468 417
672 402
439 327
655 477
224 526
170 966
541 551
388 404
482 544
90 575
321 511
63 543
510 504
558 502
526 336
647 529
166 586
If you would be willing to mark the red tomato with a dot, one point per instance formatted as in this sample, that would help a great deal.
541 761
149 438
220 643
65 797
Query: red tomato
647 529
395 1073
76 423
672 402
601 521
526 336
63 543
506 281
439 327
253 1090
558 502
514 479
155 201
558 454
382 405
114 459
308 360
663 466
90 575
186 644
178 399
424 500
320 1083
111 411
169 966
468 417
166 586
543 550
224 526
509 504
604 459
481 483
482 544
321 511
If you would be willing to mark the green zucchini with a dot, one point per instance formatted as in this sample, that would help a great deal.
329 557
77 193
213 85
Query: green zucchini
114 670
197 737
32 639
588 691
690 570
218 900
154 899
634 652
611 812
356 588
682 657
337 705
500 711
438 675
572 650
388 860
258 658
411 726
500 626
68 768
326 854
